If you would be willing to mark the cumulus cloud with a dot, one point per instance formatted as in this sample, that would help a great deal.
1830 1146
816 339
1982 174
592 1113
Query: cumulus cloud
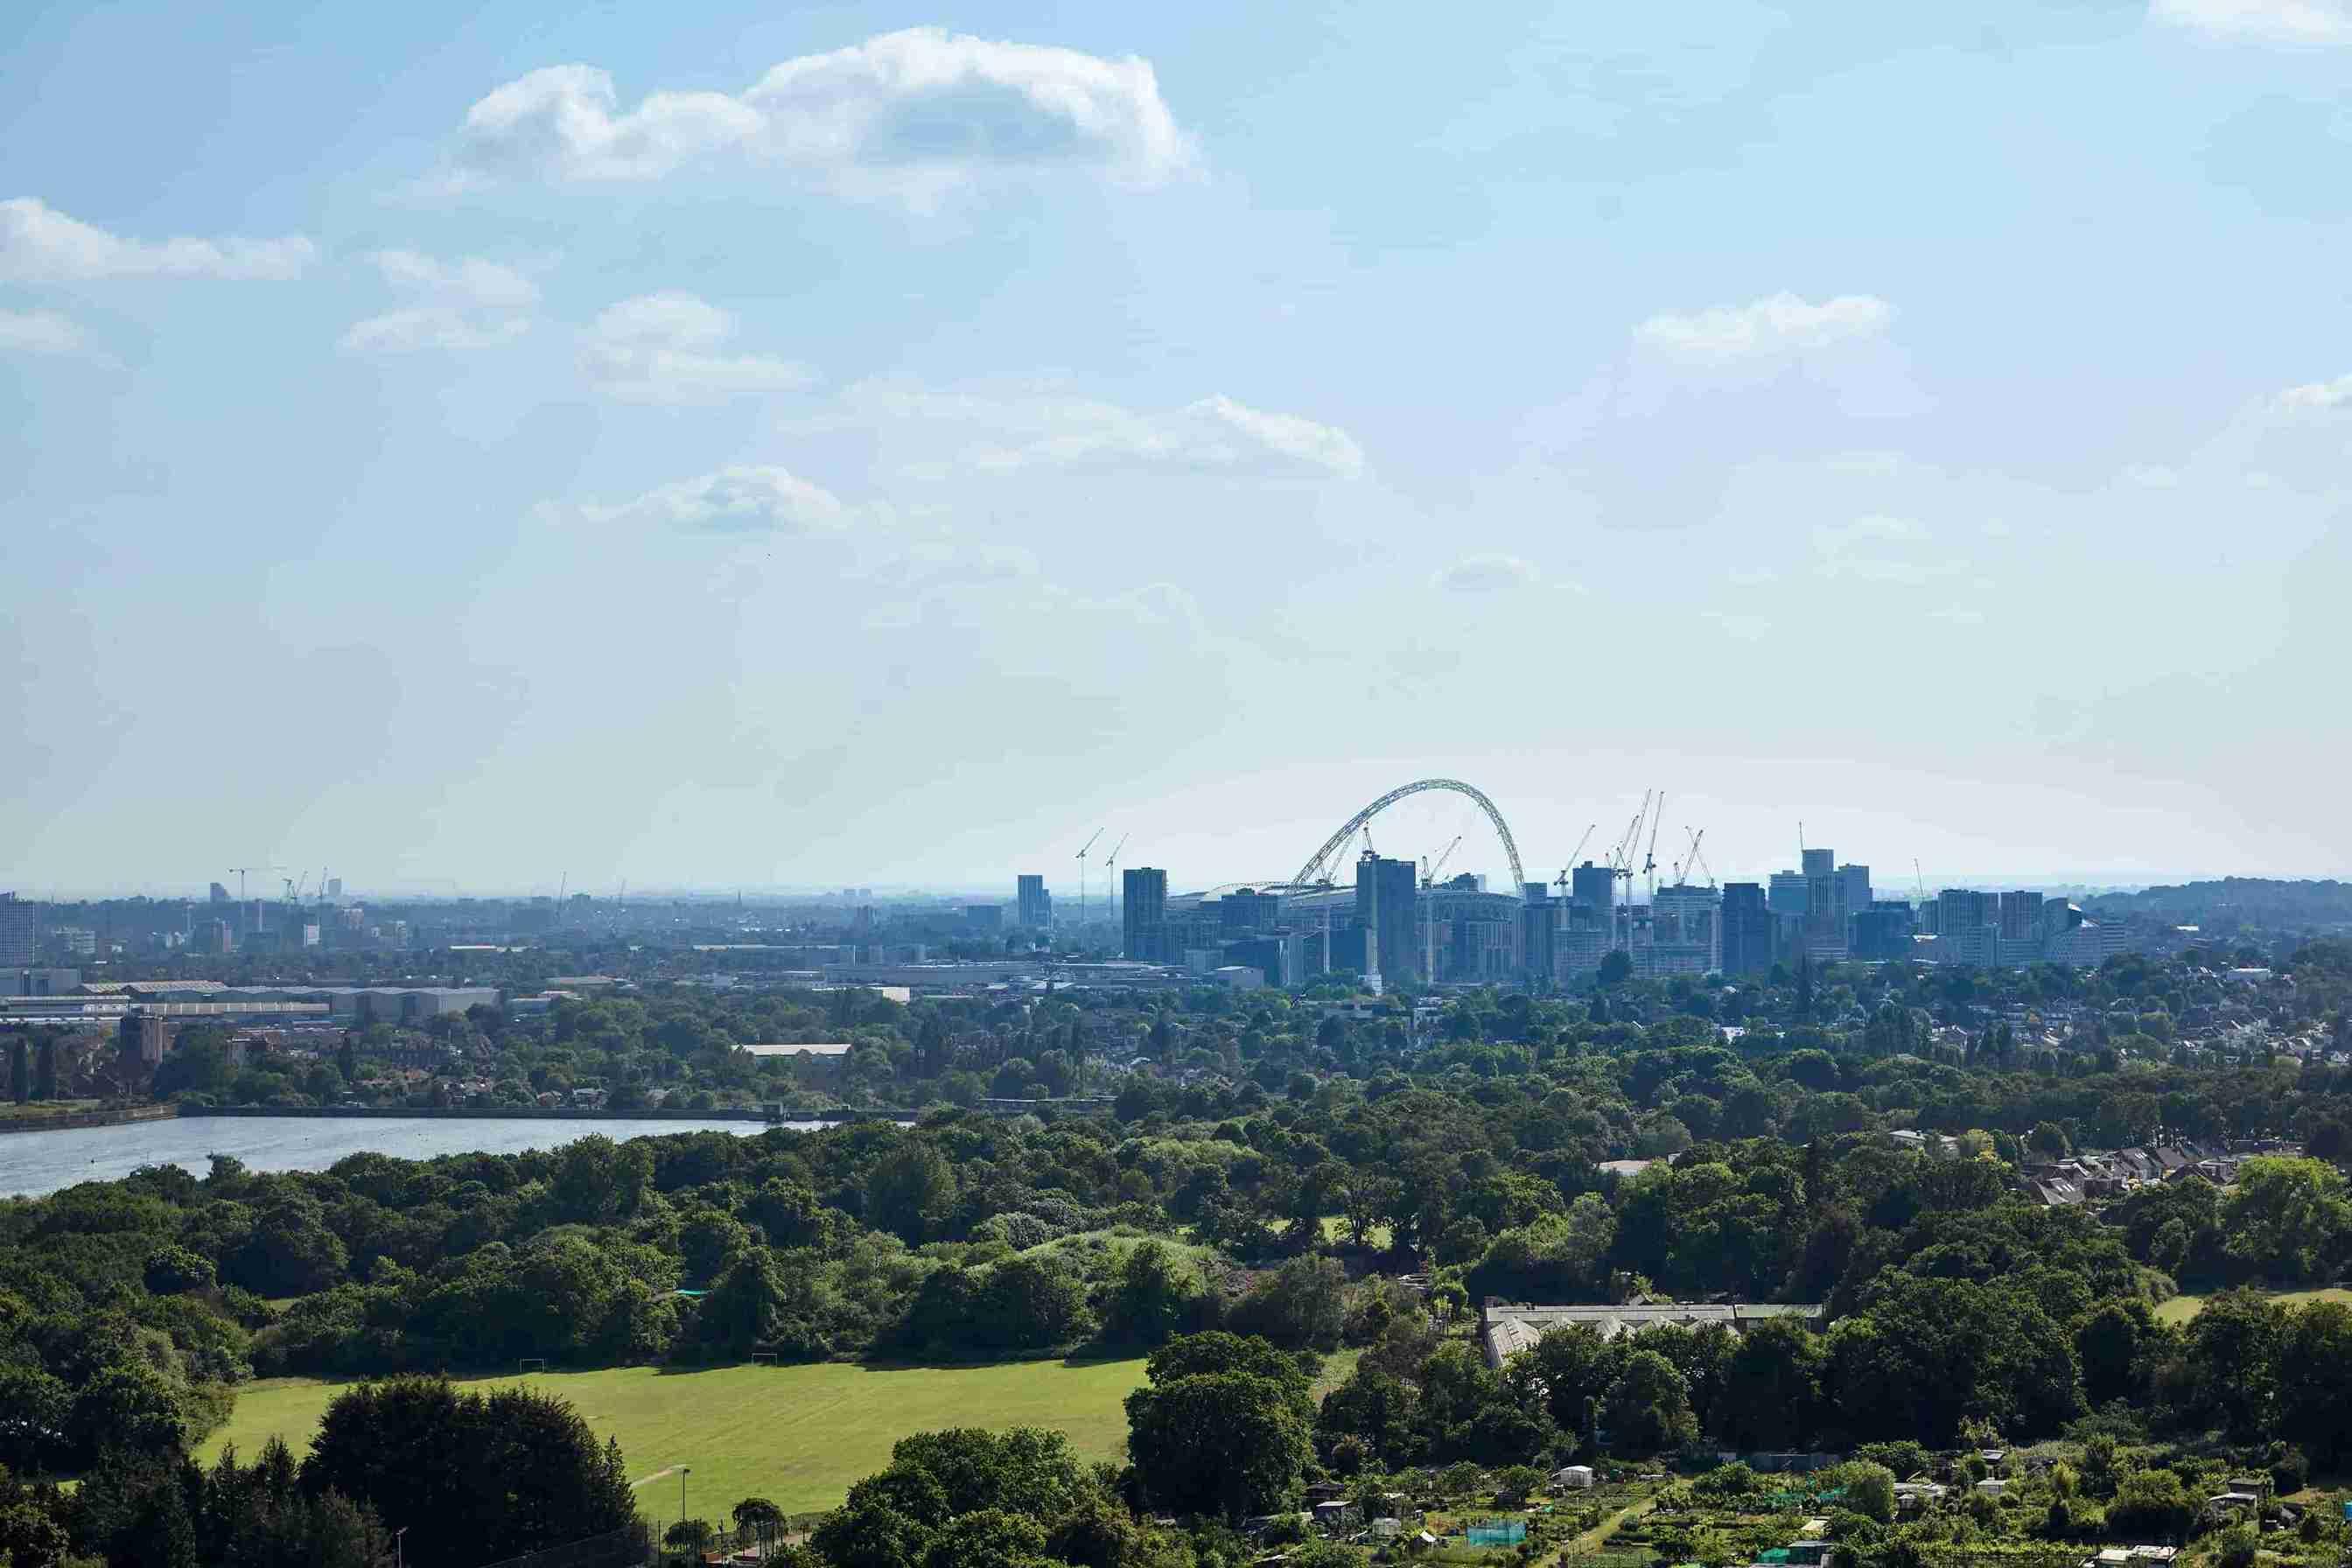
663 348
39 244
2270 21
469 303
740 499
1486 572
2336 393
1049 429
38 332
914 111
1776 324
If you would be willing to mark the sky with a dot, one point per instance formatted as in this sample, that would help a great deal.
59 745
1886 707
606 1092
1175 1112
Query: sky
727 446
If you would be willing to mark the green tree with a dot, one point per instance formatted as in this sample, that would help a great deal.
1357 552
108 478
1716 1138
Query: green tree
2285 1216
1647 1408
911 1192
1221 1428
1772 1387
20 1070
1155 1296
2314 1377
45 1074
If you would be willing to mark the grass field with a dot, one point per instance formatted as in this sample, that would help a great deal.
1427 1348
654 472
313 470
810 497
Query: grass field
796 1435
2180 1309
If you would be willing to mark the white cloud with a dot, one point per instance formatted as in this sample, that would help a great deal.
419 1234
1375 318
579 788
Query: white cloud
1778 324
38 332
2336 393
39 244
1484 572
659 348
2152 477
469 303
1833 538
1047 428
913 111
2272 21
739 499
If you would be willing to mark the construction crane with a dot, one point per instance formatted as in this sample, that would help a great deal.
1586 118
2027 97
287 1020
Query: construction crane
243 911
1920 878
1697 859
1110 877
1082 878
1574 853
1650 858
1429 872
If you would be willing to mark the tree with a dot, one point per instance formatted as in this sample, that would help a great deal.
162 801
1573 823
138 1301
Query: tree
1616 968
1772 1387
45 1075
2315 1382
2048 1140
2285 1216
473 1480
1647 1408
1301 1306
20 1070
754 1514
1221 1428
1155 1296
911 1192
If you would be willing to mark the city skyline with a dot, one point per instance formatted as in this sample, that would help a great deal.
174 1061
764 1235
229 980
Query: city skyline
732 448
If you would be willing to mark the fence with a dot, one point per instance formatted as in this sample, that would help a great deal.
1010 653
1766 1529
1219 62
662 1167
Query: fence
629 1548
1497 1532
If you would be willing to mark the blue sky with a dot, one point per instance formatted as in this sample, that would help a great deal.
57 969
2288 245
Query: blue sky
728 445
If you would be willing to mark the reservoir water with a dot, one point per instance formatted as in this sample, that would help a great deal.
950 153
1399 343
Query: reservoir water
33 1164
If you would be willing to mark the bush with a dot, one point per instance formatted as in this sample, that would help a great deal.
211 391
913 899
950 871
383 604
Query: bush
2290 1468
2151 1506
2237 1544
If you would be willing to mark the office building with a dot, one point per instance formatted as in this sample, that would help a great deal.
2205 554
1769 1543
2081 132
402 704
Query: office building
219 894
1685 931
1745 921
334 887
1385 891
1143 911
1033 905
985 919
1819 863
1245 910
20 932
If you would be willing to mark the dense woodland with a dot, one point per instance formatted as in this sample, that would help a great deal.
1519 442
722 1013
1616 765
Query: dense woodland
1252 1202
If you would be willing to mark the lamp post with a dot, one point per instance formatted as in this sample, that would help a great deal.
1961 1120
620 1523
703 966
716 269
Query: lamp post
683 1471
399 1553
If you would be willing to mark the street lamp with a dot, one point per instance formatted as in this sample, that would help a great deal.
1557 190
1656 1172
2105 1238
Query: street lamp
683 1471
399 1553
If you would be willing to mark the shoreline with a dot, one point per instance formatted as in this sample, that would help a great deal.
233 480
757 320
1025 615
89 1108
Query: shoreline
72 1119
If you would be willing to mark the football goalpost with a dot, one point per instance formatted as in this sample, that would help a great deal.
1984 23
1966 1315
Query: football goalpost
532 1363
764 1358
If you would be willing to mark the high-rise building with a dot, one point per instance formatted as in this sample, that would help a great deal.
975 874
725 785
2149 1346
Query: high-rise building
1819 863
334 887
1538 923
218 895
20 932
1882 932
1747 929
1963 909
1143 910
1790 894
1033 905
2021 916
1592 887
986 919
1854 887
1385 891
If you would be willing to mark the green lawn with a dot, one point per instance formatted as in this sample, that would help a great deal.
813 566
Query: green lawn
2180 1309
797 1434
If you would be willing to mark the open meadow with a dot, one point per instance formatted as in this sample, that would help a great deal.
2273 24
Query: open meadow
799 1435
2180 1309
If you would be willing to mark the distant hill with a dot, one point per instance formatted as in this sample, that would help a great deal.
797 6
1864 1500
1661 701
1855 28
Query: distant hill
2237 901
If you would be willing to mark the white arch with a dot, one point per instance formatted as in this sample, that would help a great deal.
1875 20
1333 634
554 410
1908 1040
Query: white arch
1319 868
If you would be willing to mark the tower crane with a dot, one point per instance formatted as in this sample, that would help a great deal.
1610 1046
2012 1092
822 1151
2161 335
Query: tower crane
1429 872
1110 875
1082 877
1650 858
1572 854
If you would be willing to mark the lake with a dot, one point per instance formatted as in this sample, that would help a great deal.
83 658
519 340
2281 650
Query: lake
33 1164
